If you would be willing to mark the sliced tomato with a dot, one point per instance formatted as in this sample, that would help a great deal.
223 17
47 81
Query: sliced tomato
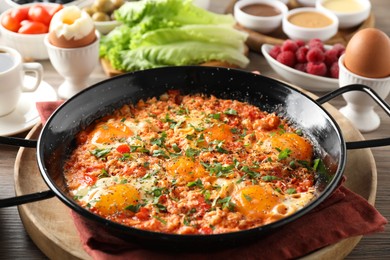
10 23
19 14
38 13
29 27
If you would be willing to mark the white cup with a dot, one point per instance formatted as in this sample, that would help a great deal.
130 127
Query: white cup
360 107
12 72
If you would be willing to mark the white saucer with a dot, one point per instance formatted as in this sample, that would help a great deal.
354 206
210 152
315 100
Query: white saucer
26 114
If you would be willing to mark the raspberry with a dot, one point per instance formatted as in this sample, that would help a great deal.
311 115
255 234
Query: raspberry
300 43
316 43
316 68
315 54
300 66
339 48
301 54
334 70
286 58
274 52
289 45
331 56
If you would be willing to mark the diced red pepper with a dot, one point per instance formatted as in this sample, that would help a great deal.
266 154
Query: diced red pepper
123 148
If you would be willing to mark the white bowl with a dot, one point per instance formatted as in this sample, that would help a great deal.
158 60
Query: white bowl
299 78
80 3
105 27
307 3
296 32
262 24
30 46
348 19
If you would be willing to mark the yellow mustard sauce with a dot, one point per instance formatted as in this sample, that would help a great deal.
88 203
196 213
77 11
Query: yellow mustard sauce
345 6
310 20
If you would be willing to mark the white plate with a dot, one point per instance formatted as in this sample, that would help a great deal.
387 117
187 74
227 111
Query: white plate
26 114
301 79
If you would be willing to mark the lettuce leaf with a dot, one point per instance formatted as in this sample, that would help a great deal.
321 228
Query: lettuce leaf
157 33
153 14
179 54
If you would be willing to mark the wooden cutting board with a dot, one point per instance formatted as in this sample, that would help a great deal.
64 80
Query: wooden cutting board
256 39
51 227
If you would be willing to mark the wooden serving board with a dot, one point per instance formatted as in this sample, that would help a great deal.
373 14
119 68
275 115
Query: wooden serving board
256 39
51 227
110 71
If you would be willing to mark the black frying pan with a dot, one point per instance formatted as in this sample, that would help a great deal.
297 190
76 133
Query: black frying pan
56 140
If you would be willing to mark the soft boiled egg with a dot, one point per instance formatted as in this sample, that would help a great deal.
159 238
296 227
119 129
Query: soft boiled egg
368 54
71 28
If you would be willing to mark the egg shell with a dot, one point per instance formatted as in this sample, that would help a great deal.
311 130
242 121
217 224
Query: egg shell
368 54
62 42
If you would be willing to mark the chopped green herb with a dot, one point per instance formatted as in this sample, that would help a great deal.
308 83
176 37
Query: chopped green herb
176 148
101 152
103 173
269 178
218 169
125 157
227 203
283 154
215 116
160 207
160 219
230 111
133 208
247 197
161 153
291 191
197 183
191 152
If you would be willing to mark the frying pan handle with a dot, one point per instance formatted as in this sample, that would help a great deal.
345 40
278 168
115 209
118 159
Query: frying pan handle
357 87
15 141
14 201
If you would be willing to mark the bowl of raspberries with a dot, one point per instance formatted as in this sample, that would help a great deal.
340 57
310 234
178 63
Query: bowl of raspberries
311 65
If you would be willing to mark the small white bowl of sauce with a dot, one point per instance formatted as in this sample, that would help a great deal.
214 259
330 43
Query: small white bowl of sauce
349 12
307 3
263 16
307 23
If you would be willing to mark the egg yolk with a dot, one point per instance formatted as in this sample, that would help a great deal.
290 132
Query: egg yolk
186 168
256 201
300 148
220 132
109 132
116 198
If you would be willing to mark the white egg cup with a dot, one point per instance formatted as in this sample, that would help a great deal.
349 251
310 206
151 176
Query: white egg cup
360 107
74 64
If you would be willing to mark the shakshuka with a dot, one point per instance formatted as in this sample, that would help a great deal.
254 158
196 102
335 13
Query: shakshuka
192 164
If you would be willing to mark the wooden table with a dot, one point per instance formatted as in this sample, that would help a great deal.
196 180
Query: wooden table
16 244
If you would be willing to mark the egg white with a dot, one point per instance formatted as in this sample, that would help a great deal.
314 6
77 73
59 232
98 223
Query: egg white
90 195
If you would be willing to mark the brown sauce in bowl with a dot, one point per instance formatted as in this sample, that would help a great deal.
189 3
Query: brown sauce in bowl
261 10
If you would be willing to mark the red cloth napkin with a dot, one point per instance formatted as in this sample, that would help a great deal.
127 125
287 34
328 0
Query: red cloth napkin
45 109
344 214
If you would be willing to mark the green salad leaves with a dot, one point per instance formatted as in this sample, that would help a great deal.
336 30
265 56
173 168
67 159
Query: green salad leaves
157 33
